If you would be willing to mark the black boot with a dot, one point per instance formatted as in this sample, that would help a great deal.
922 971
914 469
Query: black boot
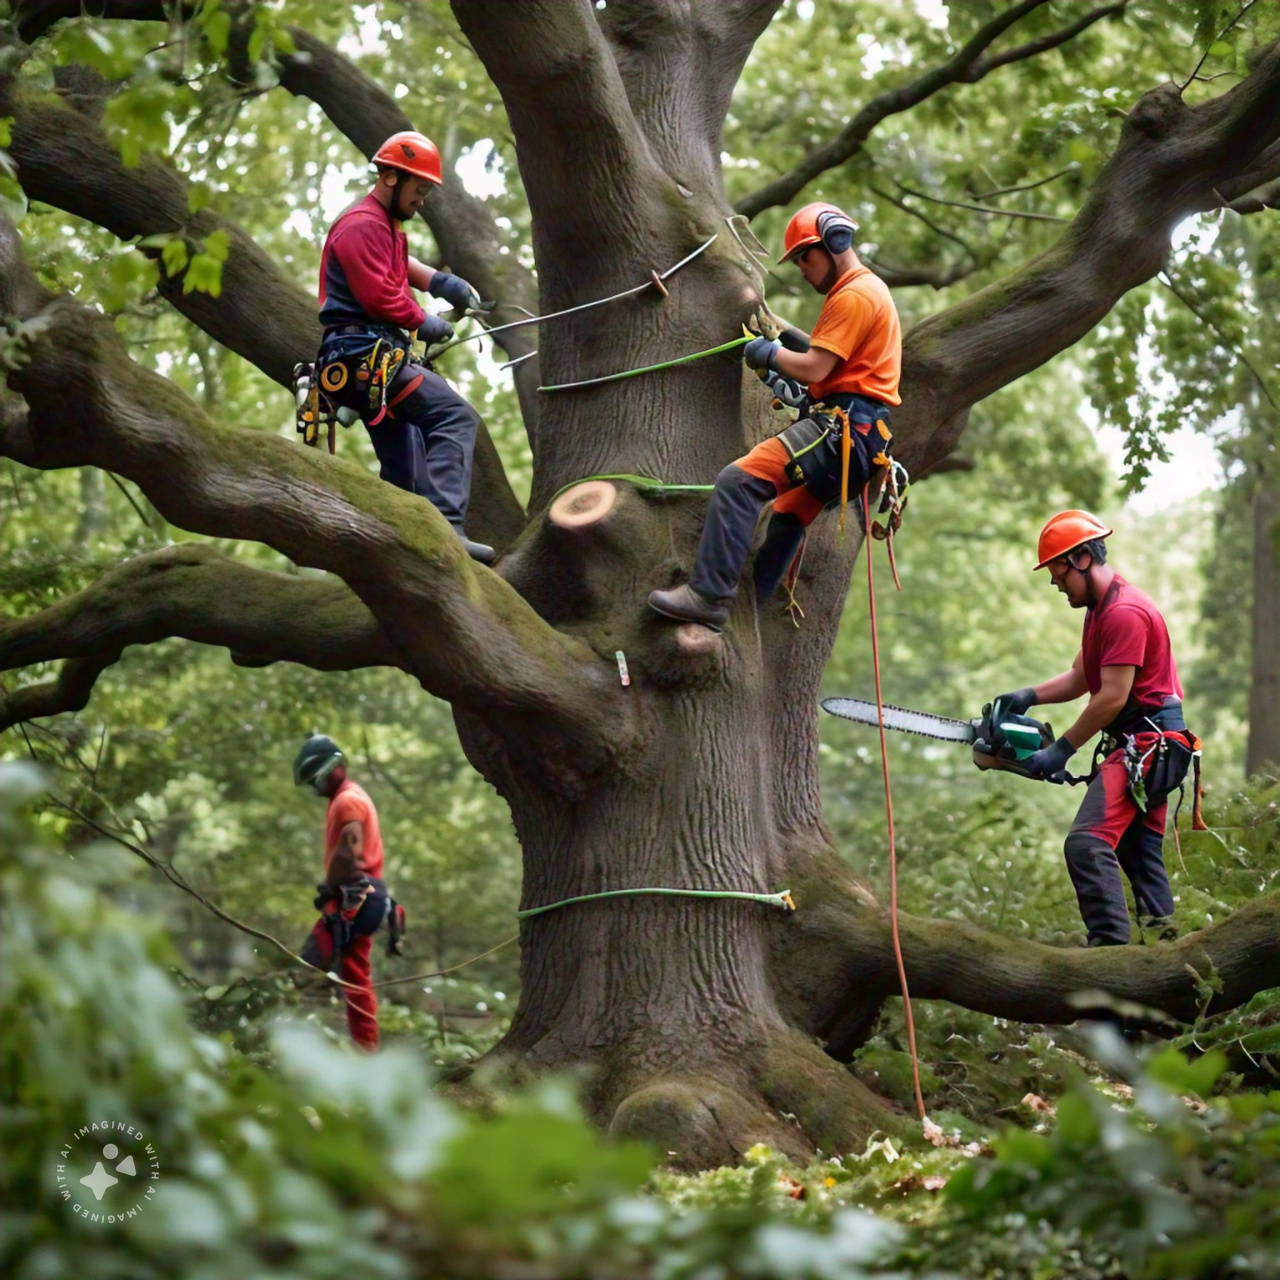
684 604
781 542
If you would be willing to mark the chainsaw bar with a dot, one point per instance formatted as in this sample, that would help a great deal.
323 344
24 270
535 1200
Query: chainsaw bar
900 718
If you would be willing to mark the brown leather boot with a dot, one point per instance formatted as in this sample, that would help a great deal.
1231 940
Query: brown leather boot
684 604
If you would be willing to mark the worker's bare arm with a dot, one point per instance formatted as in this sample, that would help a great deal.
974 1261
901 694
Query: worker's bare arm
1104 706
1065 687
806 366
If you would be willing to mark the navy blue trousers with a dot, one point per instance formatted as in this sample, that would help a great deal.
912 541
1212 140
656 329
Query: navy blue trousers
426 442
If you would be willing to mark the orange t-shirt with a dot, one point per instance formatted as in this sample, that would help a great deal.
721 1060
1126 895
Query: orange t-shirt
859 323
350 803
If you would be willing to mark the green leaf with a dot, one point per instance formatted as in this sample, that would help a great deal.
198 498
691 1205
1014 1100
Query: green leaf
1178 1075
1221 49
216 26
217 244
174 256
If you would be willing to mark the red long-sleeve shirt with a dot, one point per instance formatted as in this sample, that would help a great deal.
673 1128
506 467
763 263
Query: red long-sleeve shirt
364 270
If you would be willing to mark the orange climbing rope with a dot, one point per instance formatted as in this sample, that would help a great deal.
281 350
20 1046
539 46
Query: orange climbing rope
888 805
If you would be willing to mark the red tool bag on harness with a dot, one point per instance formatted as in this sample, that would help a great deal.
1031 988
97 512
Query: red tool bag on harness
1159 752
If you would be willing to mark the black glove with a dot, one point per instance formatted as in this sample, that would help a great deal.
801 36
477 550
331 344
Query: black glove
1049 761
1012 704
454 290
433 330
794 340
759 353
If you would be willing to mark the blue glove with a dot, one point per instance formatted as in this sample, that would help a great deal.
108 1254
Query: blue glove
454 290
759 353
1048 761
1013 704
433 330
794 340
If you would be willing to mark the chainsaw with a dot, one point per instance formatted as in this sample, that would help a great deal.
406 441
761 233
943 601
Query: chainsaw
1004 744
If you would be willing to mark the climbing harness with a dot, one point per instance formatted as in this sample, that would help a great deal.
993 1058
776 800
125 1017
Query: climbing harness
888 806
653 282
781 900
651 368
357 367
351 378
356 909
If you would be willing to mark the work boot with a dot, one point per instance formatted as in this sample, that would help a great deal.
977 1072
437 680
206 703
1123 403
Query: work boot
480 551
684 604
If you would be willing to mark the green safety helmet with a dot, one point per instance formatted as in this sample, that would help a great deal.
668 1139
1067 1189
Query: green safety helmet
316 760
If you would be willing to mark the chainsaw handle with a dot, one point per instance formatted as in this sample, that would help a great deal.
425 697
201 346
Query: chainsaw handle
1071 779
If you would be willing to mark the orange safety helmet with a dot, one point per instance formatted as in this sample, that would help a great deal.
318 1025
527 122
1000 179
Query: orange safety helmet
1065 532
804 229
410 153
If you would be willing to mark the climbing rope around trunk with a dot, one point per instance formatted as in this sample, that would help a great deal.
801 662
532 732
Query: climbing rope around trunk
652 368
888 806
781 900
640 482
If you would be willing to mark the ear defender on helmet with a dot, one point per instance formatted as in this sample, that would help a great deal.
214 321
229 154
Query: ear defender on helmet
836 230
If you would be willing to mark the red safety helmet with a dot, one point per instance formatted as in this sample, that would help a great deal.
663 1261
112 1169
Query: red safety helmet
411 153
804 230
1065 532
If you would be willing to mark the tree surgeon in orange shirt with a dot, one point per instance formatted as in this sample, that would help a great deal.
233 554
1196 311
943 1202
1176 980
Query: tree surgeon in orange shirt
353 898
851 365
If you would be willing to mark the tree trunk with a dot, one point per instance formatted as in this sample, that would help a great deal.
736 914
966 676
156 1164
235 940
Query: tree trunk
1263 751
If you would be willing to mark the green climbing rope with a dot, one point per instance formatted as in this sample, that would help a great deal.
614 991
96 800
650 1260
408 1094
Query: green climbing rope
640 482
652 368
781 900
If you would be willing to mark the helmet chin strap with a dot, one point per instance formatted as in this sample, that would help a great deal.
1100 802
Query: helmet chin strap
401 182
828 280
1091 595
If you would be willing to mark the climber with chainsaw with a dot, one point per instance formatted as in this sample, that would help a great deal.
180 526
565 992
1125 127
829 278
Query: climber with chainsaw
844 379
422 430
1125 664
352 898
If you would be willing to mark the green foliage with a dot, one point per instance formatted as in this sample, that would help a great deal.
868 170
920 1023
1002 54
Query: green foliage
329 1163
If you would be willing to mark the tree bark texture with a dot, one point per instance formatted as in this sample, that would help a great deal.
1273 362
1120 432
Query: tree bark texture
1263 750
701 1024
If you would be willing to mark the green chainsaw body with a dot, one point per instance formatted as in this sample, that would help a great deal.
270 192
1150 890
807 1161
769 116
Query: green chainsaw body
1009 743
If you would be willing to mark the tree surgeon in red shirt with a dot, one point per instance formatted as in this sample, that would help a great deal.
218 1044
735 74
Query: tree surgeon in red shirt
846 370
422 430
353 898
1125 665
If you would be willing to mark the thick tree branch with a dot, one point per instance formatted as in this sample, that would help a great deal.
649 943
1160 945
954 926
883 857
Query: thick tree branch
63 159
1030 982
1172 160
575 132
194 592
680 64
835 964
465 633
969 65
69 690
